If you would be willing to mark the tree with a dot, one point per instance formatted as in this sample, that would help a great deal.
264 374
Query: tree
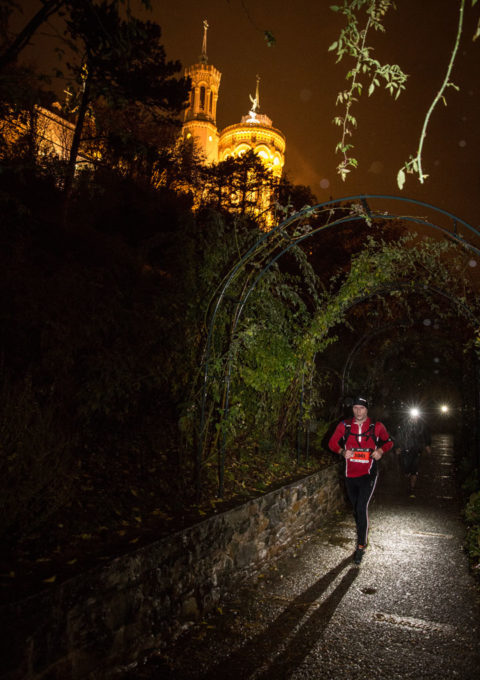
122 64
126 89
243 186
11 49
294 197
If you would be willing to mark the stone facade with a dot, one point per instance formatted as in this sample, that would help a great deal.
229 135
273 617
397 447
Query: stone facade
116 614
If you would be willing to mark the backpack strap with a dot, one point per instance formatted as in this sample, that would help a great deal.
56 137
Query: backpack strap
343 440
369 433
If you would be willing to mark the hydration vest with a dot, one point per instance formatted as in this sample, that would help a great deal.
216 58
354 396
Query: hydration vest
370 433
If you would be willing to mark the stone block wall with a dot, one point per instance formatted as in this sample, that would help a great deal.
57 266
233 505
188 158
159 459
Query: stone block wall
112 615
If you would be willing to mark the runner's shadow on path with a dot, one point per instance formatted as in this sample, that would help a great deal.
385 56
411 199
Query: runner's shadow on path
256 653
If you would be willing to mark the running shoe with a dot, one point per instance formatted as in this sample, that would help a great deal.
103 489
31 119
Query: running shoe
358 556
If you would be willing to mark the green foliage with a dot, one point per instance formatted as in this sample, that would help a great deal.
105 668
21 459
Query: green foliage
472 517
472 542
469 475
472 510
321 432
352 42
272 360
265 361
270 39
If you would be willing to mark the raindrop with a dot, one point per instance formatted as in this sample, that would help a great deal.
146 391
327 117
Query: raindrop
472 263
305 95
462 143
436 360
324 183
427 322
376 167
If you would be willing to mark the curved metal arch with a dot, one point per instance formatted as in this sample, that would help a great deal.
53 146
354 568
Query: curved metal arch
281 227
419 288
364 198
358 345
395 286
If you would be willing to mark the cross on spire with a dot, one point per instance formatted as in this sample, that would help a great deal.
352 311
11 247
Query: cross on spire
204 58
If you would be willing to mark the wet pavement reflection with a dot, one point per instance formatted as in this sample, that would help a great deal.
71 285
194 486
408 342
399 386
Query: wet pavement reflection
411 610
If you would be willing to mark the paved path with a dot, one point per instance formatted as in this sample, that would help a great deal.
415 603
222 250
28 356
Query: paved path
410 611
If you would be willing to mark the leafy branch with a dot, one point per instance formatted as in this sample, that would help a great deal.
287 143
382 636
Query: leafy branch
414 164
353 42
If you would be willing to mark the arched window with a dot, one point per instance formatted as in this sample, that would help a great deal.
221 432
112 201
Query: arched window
202 98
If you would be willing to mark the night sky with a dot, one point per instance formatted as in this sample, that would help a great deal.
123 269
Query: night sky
300 80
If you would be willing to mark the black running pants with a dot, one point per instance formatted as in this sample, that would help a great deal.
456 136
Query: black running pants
359 491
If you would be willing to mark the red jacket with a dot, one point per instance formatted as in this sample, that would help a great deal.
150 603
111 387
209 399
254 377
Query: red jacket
361 436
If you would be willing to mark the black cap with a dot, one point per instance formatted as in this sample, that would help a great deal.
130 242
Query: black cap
360 401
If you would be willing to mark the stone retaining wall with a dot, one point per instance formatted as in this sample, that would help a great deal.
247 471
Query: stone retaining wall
113 615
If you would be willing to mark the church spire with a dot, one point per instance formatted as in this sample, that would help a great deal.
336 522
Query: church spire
200 121
203 57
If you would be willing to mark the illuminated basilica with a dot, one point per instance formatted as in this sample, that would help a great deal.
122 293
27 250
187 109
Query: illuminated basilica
255 131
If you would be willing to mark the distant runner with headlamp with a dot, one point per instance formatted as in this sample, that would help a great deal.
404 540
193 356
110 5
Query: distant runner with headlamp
362 443
412 437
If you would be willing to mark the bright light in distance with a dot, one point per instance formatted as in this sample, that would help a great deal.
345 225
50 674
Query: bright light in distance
414 412
444 408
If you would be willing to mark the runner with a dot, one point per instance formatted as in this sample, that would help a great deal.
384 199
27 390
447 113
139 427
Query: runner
362 443
412 437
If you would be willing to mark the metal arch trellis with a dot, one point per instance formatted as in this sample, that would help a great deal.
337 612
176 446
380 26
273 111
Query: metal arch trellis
327 207
417 288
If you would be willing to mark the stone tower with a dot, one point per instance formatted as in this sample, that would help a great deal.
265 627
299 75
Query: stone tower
200 122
